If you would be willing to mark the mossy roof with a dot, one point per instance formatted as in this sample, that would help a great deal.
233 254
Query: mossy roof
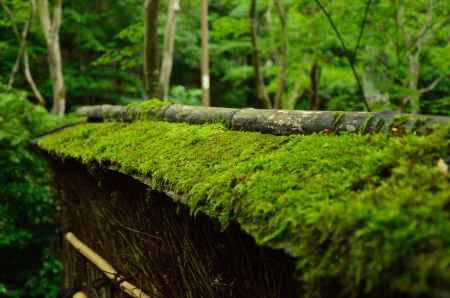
367 211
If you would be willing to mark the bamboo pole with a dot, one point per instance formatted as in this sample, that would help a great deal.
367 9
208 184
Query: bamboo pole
104 266
80 295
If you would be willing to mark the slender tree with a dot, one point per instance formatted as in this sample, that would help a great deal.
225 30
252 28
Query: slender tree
169 39
314 78
205 55
50 27
151 50
21 39
414 46
281 56
23 52
261 91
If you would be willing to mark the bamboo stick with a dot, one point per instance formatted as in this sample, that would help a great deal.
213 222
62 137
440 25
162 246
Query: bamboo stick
80 295
104 266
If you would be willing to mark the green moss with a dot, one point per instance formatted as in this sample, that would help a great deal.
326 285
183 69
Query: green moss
338 118
364 211
367 124
419 124
149 104
396 125
379 125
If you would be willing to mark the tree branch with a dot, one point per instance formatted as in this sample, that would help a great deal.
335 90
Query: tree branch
23 53
429 30
12 18
332 24
431 86
422 33
351 58
399 21
30 80
362 27
22 39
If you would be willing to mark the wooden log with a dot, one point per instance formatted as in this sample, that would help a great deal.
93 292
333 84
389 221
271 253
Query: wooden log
101 112
278 122
104 266
199 115
285 122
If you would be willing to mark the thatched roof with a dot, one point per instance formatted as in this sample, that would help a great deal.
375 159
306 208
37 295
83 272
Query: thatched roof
369 209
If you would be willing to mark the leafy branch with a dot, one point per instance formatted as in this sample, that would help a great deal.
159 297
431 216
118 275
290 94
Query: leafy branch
350 58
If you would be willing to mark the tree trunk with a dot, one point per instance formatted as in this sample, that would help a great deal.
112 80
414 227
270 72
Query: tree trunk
50 28
151 51
261 91
413 82
293 97
414 50
30 80
282 55
56 76
314 77
205 54
169 39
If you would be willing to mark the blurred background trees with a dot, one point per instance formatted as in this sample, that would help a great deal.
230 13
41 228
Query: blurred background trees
403 57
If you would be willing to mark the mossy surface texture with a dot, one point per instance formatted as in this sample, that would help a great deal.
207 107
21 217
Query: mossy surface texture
365 212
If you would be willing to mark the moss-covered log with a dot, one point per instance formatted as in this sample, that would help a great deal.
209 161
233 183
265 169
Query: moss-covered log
362 215
279 122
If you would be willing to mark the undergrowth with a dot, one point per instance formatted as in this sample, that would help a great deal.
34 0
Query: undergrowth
27 226
364 211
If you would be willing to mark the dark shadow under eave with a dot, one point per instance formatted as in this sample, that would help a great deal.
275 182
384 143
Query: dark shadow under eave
157 244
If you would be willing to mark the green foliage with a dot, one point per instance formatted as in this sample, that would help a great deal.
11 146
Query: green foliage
26 208
366 212
182 95
439 106
149 104
102 43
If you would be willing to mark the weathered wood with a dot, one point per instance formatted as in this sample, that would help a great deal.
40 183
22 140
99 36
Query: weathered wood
101 112
278 122
199 115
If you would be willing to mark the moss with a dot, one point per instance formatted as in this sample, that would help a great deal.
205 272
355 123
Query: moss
365 128
338 119
396 126
419 125
363 211
149 104
379 125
